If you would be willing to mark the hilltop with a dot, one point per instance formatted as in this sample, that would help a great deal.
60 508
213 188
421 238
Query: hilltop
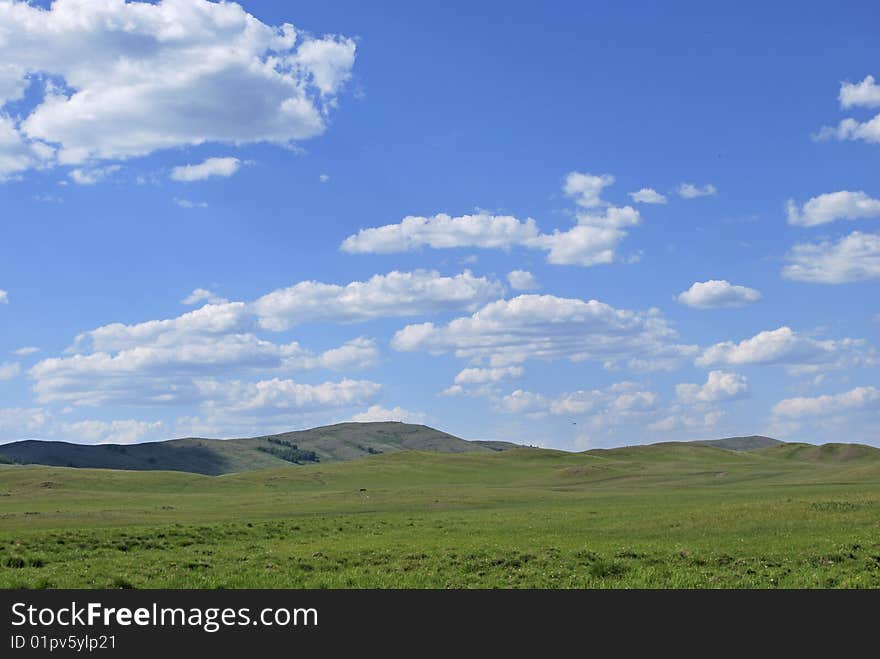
343 441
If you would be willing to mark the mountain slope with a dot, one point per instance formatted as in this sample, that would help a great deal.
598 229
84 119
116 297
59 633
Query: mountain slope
344 441
749 443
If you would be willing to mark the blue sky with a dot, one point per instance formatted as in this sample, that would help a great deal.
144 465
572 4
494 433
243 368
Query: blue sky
227 220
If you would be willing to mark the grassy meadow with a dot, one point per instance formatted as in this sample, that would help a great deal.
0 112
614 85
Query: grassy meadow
668 515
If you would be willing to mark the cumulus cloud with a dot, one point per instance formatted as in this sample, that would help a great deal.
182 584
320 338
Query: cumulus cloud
25 351
648 196
394 294
379 413
4 297
586 189
486 375
211 167
202 295
124 79
599 230
168 361
592 241
691 191
522 280
92 175
863 94
127 431
9 370
855 257
720 385
19 422
284 395
842 205
546 327
797 352
717 293
855 399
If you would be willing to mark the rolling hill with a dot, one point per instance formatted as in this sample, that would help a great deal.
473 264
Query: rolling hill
343 441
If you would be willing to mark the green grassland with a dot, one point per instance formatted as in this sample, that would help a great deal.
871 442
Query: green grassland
667 515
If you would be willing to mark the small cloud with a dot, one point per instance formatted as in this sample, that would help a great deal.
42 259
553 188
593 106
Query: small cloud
200 295
715 294
92 176
27 350
9 370
186 203
4 297
691 191
324 178
379 413
522 280
212 167
648 196
48 199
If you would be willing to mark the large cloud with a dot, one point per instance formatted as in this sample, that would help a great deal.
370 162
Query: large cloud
394 294
594 239
716 293
796 351
546 327
855 257
168 360
124 79
854 399
842 205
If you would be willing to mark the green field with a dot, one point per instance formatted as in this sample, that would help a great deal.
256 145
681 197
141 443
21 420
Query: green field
668 515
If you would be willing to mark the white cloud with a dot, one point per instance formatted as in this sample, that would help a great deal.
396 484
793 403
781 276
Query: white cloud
4 297
842 205
25 351
9 370
716 293
586 189
211 167
720 385
592 241
865 94
856 399
394 294
93 175
201 295
855 257
486 375
691 422
18 422
138 77
168 361
127 431
323 178
522 280
850 129
280 395
186 203
379 413
691 191
441 232
798 352
520 401
648 196
17 153
545 327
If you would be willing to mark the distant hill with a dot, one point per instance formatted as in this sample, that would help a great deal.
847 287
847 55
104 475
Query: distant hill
749 443
343 441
